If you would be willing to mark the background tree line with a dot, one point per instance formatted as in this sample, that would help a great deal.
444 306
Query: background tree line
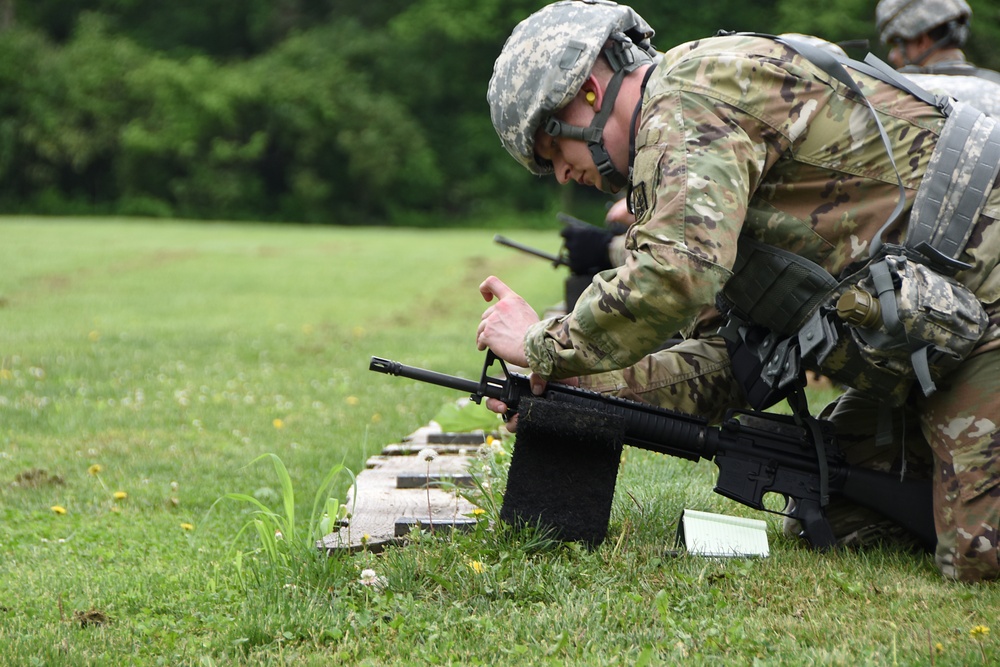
323 111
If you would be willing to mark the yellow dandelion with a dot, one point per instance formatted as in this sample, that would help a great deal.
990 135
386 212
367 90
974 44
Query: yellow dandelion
939 647
358 332
95 469
376 418
5 374
352 400
187 526
307 329
278 423
476 566
58 509
120 495
479 511
489 440
94 336
979 632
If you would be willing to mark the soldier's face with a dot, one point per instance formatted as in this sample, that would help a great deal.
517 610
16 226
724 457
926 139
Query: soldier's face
909 52
570 158
897 54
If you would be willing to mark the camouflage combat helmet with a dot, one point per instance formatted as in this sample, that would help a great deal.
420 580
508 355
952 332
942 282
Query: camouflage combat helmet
906 19
544 63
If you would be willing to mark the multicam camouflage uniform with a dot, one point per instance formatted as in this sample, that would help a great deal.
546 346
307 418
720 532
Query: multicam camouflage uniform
741 135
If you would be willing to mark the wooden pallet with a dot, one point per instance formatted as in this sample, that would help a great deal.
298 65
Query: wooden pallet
391 496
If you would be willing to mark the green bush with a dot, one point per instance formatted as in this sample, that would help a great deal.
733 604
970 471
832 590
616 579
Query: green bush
301 110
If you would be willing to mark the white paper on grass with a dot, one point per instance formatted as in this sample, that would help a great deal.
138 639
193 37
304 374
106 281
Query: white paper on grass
719 535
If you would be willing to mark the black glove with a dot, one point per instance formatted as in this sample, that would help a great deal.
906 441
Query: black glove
587 248
616 228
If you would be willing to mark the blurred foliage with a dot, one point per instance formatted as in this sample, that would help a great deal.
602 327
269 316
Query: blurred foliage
303 110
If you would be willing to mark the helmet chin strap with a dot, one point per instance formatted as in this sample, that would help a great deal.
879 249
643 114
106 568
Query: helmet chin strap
612 180
923 55
623 62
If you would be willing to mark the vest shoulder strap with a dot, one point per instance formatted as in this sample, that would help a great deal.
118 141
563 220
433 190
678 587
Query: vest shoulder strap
958 180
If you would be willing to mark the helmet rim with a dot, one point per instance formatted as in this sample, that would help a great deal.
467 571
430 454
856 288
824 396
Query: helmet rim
544 63
907 19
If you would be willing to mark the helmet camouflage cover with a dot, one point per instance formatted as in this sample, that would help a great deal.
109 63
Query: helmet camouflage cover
905 19
544 63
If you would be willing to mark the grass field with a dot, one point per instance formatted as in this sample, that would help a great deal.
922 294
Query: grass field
144 368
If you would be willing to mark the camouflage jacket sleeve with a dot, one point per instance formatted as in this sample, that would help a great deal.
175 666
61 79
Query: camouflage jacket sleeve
718 123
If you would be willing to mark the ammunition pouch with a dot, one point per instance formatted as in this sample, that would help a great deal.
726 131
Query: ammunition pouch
894 322
910 321
777 287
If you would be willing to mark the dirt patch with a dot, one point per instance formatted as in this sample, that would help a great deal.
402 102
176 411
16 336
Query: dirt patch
61 282
91 617
35 478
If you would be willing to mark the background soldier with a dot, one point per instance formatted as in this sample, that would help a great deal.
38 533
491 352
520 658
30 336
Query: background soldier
926 39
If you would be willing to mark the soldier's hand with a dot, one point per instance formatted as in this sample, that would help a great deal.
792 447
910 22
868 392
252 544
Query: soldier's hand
538 385
504 324
619 218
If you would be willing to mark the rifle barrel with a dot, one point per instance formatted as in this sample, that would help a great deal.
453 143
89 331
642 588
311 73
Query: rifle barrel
389 367
503 240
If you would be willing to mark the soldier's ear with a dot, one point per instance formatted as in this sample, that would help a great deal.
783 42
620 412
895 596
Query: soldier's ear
592 92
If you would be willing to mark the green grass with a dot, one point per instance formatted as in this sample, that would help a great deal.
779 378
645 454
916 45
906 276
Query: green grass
174 355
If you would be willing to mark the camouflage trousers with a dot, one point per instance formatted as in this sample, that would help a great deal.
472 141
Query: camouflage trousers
951 437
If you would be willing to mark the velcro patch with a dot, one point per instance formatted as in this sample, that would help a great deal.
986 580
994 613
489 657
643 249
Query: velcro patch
639 201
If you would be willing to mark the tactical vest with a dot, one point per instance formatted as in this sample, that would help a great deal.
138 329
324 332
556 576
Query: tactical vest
897 319
953 68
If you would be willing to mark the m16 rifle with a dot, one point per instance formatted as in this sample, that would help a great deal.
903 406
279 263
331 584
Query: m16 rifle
756 453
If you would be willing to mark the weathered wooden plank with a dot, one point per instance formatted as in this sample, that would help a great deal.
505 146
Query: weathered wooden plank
378 505
444 465
474 439
434 481
405 524
432 435
411 449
